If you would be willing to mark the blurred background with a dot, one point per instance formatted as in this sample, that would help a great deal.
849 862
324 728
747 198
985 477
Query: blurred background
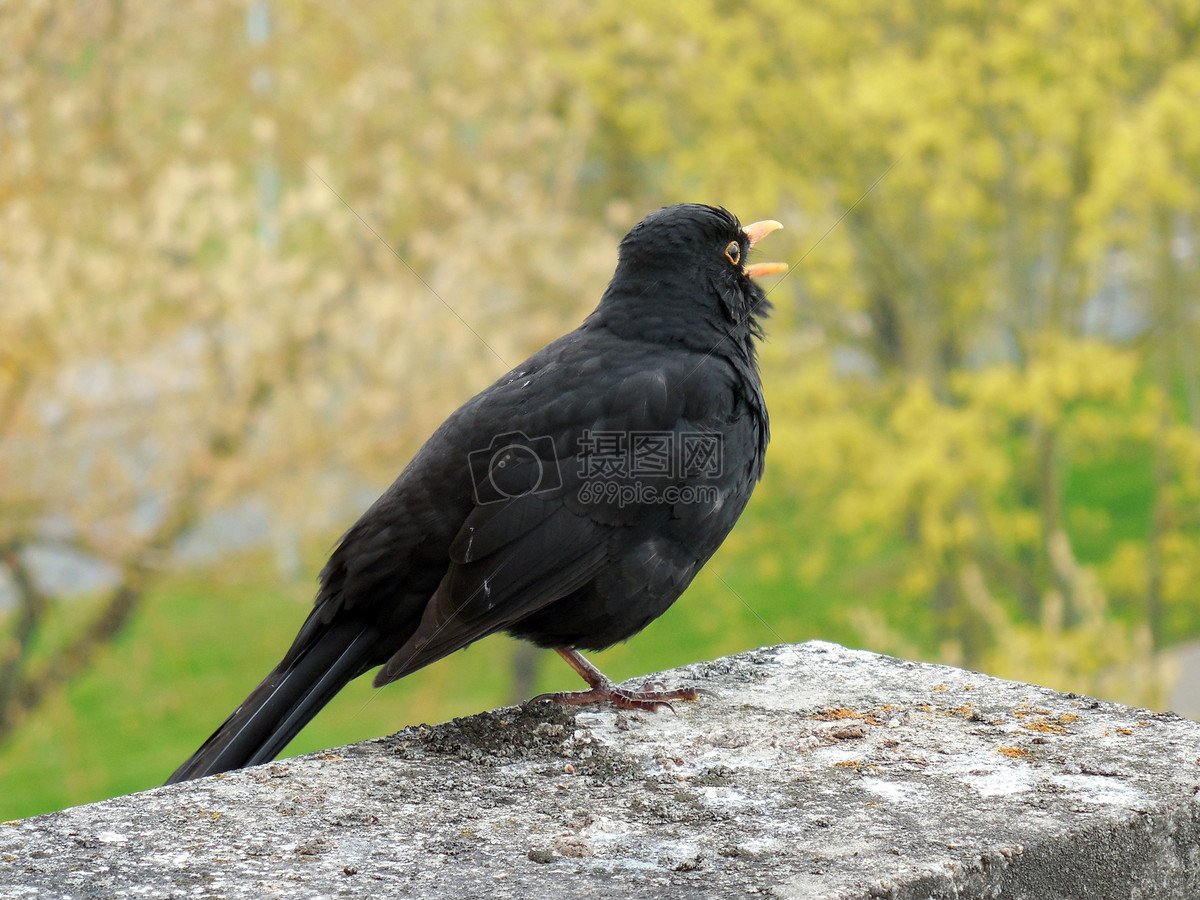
248 249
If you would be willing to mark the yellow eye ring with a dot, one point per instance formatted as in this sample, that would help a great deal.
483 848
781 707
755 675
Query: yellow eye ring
733 252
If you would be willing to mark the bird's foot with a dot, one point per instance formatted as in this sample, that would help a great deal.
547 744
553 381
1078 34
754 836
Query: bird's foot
602 690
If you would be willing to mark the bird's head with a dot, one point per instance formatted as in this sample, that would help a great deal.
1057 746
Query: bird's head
686 266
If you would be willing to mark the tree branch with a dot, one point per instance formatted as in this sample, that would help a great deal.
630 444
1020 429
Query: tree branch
32 605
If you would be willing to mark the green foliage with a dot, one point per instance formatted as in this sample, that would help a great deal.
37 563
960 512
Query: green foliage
937 508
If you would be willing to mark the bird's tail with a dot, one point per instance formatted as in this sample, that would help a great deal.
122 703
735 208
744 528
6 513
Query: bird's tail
287 699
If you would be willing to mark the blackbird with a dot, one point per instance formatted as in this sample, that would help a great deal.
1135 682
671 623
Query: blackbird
569 504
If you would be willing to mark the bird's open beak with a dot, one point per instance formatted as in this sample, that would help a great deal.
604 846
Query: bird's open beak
756 232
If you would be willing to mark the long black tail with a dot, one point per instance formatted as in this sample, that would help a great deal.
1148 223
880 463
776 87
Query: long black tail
286 700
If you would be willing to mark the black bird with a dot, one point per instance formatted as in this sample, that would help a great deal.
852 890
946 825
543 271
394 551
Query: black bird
568 504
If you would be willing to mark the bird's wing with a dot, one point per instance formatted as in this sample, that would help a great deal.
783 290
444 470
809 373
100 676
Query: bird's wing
512 556
529 539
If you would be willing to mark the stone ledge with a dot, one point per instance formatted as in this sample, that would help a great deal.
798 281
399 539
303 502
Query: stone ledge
818 772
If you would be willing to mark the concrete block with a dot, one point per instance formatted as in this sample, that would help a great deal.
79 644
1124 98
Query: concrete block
817 772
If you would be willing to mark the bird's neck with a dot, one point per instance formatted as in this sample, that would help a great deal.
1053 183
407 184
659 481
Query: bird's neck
660 314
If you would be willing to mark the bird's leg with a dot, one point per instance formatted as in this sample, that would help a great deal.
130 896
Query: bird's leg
602 689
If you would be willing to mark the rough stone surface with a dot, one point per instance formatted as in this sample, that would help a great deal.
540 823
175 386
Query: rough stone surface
817 772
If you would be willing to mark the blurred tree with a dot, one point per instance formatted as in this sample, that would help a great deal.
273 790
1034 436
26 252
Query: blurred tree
166 351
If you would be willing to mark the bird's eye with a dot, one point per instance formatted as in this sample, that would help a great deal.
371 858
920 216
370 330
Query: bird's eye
733 252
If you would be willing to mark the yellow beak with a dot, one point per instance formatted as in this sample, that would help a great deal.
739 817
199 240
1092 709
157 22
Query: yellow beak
755 232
